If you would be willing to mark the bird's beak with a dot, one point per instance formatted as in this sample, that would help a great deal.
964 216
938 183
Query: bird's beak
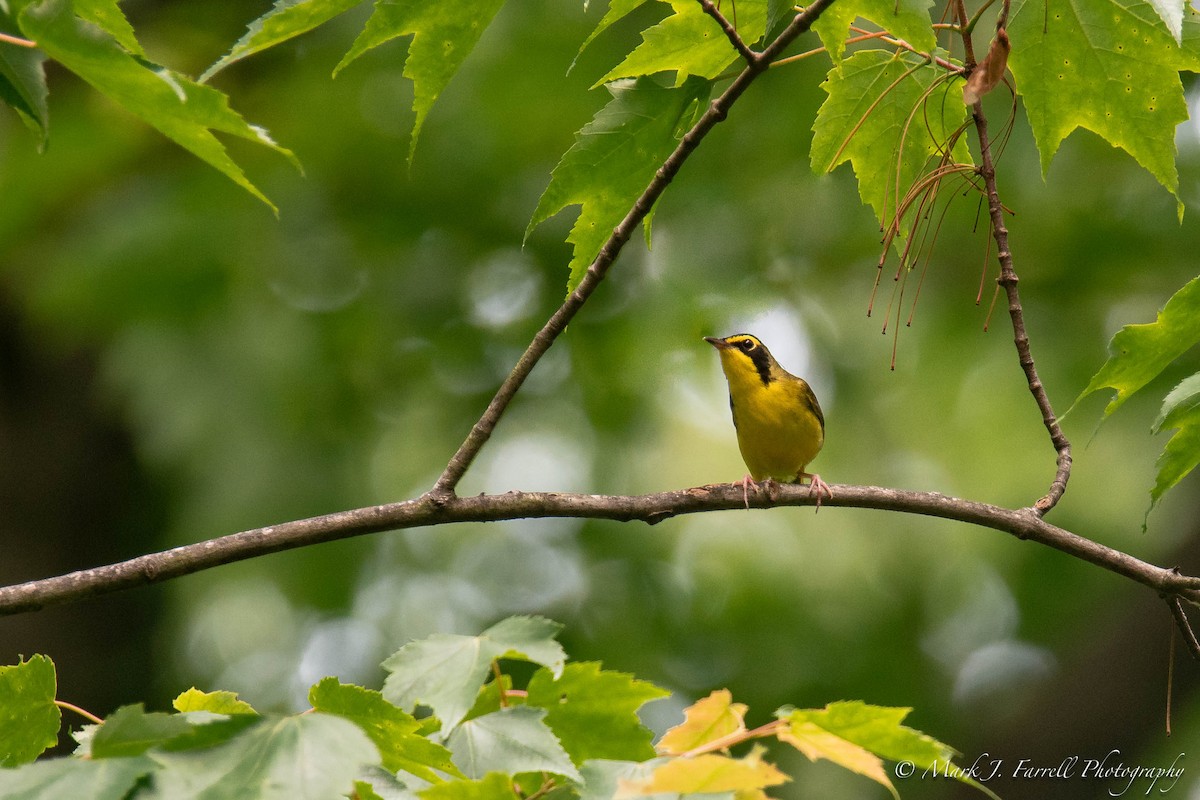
720 344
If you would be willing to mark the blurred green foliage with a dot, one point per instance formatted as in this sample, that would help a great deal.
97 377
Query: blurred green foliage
177 364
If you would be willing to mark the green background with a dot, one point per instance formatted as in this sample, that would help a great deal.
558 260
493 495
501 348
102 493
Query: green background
177 364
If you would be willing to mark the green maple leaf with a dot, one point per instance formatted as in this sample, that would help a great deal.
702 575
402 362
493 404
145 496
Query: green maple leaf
1180 412
392 730
304 756
131 731
886 108
107 15
594 711
876 728
1108 66
613 159
444 34
75 778
779 13
855 734
29 719
617 9
492 786
688 42
220 702
514 739
186 112
23 81
1141 352
905 19
287 20
445 671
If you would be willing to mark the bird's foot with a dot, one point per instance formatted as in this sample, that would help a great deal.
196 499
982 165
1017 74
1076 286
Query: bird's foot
746 481
817 486
769 485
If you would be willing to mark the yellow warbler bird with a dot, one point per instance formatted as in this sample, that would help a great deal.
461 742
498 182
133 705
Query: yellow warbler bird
780 427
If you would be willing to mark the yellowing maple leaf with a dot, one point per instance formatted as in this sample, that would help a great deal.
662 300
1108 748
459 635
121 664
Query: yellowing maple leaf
706 721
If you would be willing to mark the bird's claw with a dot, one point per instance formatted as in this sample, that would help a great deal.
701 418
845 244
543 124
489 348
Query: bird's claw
769 485
817 487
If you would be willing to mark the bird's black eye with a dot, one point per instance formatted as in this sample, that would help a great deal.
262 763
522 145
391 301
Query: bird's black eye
746 344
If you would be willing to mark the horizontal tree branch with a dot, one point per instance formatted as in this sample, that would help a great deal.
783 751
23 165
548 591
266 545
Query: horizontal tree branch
429 510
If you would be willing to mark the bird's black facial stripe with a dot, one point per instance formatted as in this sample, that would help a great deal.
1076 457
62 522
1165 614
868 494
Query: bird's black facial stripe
762 362
757 354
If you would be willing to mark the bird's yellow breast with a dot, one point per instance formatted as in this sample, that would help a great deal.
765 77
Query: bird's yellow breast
779 428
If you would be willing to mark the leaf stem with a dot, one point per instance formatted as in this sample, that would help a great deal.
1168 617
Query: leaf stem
80 711
903 45
499 678
17 40
736 737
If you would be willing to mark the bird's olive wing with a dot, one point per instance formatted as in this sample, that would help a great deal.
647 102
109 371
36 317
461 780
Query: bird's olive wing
808 400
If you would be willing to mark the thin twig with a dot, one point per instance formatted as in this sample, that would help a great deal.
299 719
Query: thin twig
887 38
1185 627
1008 281
1171 675
17 40
548 785
1002 18
737 737
968 45
816 50
717 111
730 31
427 511
979 12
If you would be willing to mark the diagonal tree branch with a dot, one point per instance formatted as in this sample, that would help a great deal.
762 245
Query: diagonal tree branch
1185 627
1008 281
730 31
426 511
717 111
